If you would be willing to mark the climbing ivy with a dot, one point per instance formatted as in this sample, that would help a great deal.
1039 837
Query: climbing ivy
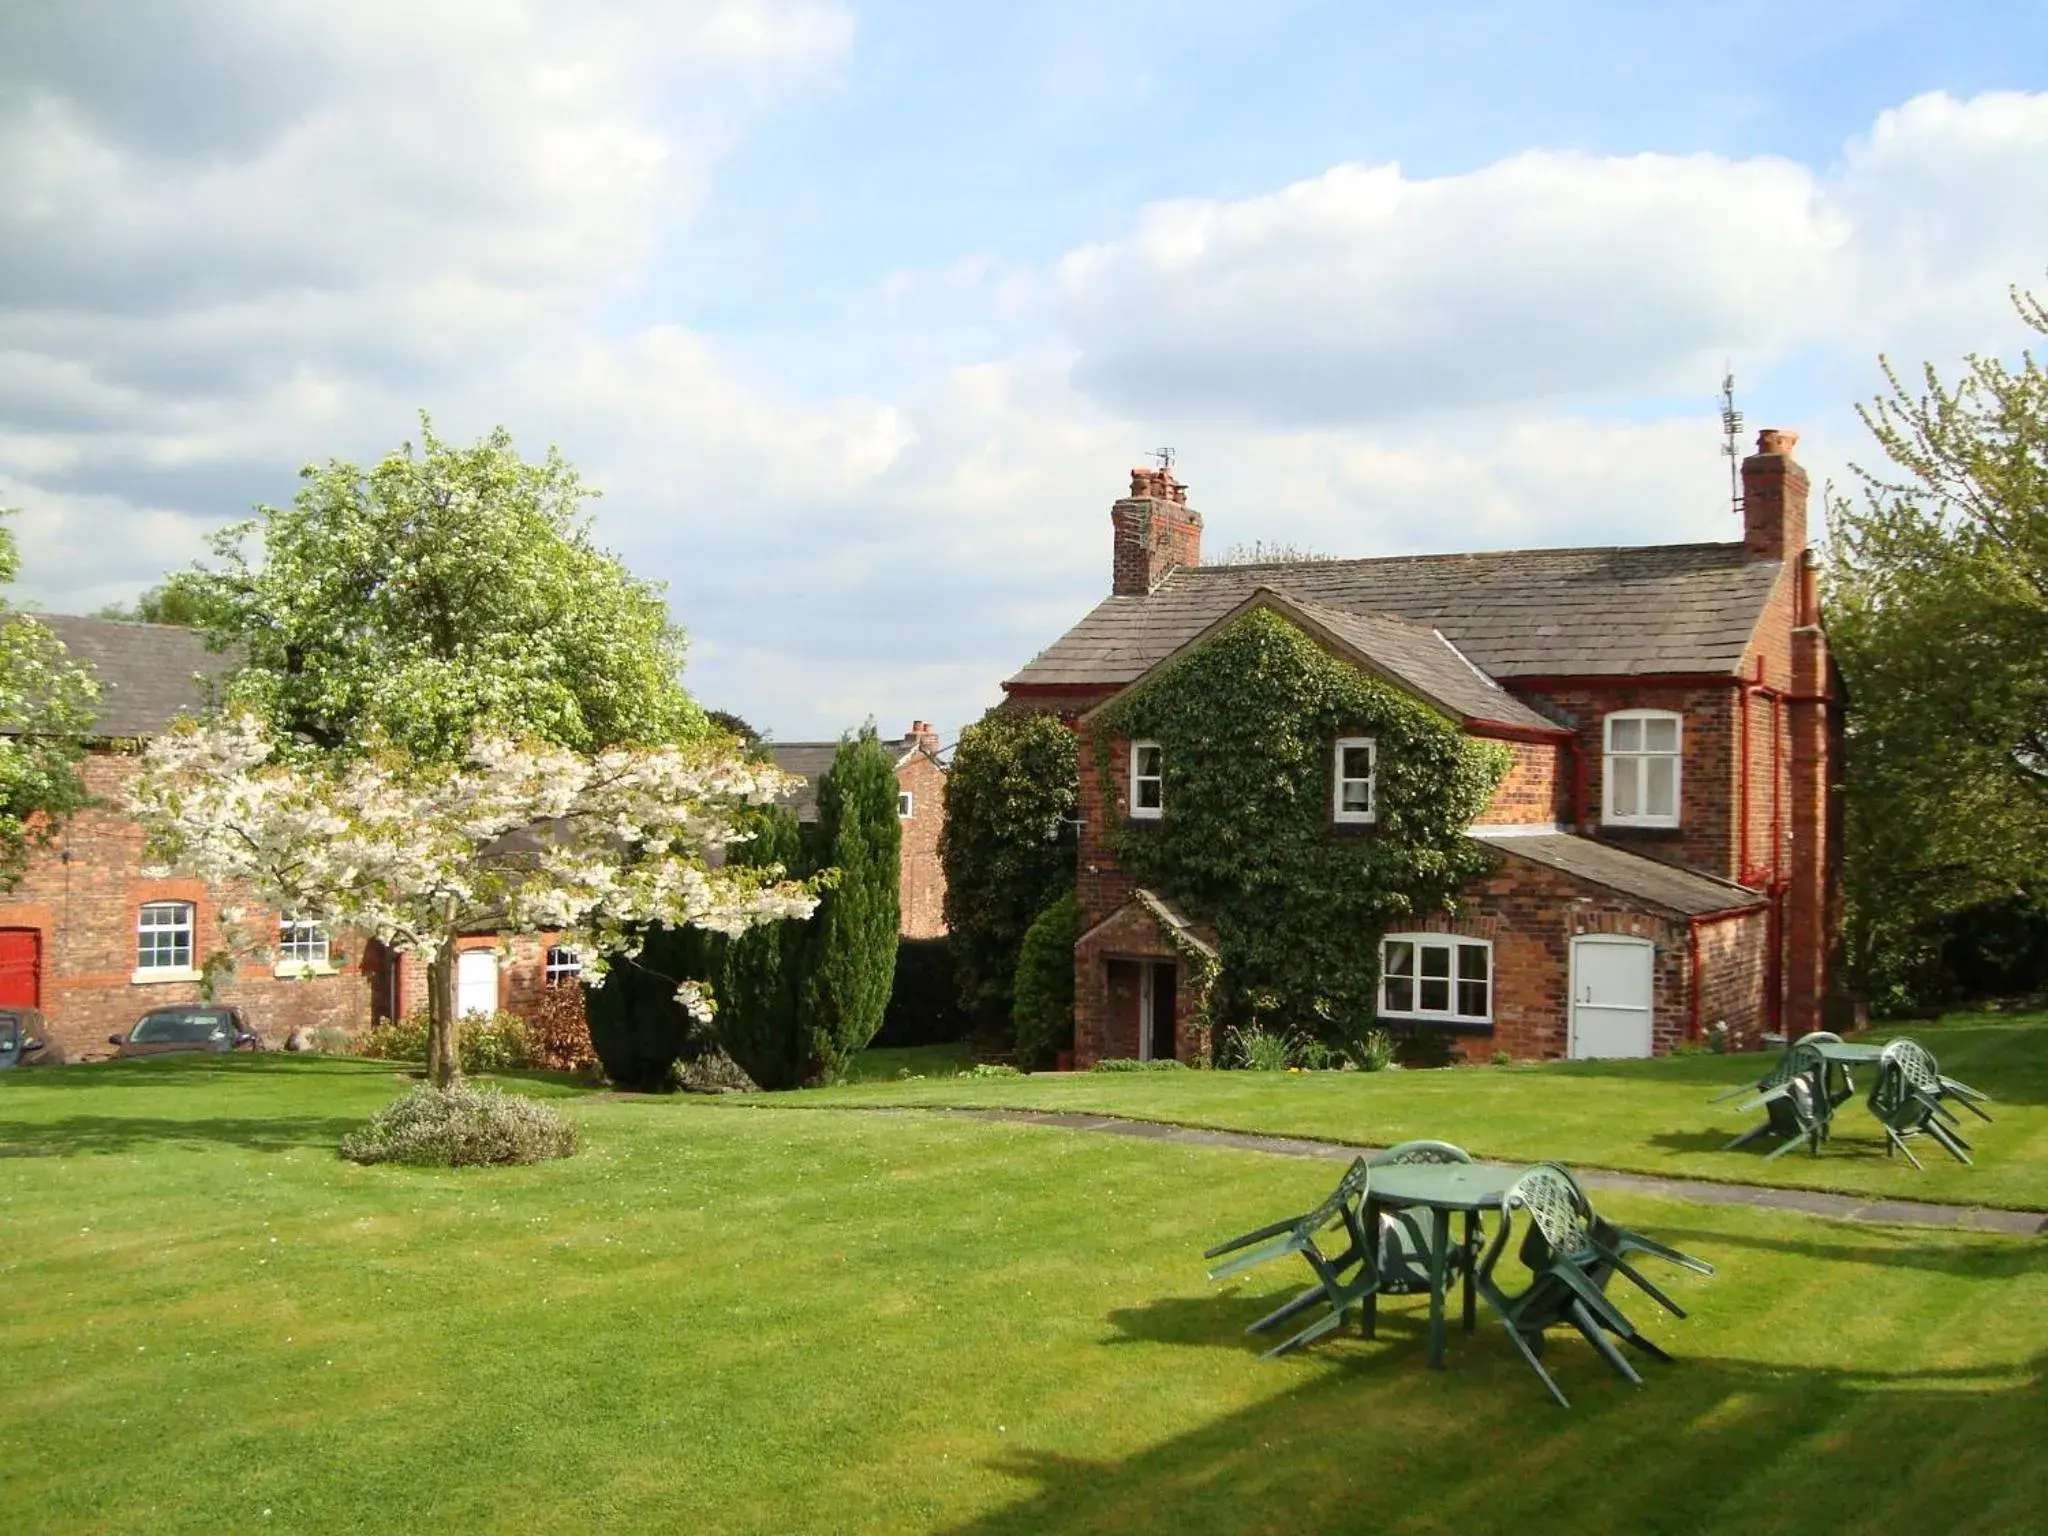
1248 723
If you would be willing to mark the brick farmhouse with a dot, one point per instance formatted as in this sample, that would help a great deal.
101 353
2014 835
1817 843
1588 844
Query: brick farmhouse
920 808
1664 849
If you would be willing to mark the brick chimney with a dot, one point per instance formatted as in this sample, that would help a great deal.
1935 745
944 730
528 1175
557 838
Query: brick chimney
921 734
1774 497
1155 532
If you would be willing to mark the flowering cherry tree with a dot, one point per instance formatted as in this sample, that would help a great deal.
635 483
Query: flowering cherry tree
514 836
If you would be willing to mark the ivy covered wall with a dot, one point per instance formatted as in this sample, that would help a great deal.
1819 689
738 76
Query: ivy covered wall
1247 842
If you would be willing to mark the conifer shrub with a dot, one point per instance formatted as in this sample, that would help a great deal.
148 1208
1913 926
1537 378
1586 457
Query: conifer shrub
850 960
461 1127
495 1043
1042 1010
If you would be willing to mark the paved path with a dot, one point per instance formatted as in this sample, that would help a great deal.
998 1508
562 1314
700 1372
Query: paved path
1913 1213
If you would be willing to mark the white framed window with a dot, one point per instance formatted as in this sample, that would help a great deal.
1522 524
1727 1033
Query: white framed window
1643 768
1148 780
301 943
163 936
1436 976
1354 762
563 964
906 805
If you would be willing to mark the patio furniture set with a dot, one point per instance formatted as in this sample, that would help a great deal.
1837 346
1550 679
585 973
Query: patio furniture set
1909 1098
1385 1230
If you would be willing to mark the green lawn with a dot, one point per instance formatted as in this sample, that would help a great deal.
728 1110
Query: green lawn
891 1064
787 1321
1640 1116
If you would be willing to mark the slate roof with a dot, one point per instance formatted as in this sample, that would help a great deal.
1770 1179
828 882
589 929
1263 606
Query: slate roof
812 759
1683 891
1677 608
149 674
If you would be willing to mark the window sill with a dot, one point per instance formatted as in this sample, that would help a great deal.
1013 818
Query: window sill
1432 1021
292 970
151 975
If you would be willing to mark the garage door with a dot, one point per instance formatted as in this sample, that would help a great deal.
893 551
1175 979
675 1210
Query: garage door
21 968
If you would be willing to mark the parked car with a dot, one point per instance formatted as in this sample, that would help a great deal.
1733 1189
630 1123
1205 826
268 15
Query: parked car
24 1041
187 1027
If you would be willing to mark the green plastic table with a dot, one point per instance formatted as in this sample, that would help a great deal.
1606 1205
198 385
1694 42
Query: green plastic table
1440 1188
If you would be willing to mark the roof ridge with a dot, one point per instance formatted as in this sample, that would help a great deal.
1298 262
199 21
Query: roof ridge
1417 559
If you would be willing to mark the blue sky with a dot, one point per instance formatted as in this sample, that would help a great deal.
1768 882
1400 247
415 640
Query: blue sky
858 313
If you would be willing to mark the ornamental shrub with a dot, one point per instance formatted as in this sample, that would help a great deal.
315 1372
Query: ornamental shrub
757 978
850 959
1373 1050
1007 847
558 1034
1042 1011
712 1072
497 1043
1132 1064
460 1127
1254 1048
1246 722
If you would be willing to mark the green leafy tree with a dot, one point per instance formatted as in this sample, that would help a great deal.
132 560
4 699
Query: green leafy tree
1007 847
1938 615
172 601
851 960
1043 1012
441 590
1246 722
46 711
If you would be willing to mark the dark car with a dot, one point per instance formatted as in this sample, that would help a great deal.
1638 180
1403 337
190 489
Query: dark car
187 1027
23 1040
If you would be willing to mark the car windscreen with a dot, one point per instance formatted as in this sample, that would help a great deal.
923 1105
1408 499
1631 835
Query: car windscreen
183 1026
10 1030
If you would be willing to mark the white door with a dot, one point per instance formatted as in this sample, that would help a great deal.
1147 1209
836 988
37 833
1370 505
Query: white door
476 981
1147 1001
1611 980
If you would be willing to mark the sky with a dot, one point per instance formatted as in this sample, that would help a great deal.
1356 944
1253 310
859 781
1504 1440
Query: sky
860 314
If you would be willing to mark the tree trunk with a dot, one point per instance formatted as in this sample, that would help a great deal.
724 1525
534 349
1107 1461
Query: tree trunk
444 1043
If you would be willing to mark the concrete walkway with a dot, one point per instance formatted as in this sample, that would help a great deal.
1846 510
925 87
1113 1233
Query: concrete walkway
1912 1213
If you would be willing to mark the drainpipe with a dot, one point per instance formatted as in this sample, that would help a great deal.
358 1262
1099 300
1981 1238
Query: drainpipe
1692 943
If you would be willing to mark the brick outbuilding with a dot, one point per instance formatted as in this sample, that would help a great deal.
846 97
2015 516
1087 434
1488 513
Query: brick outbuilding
1663 850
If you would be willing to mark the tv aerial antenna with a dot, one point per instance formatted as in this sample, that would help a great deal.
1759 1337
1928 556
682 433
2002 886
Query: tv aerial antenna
1163 455
1731 438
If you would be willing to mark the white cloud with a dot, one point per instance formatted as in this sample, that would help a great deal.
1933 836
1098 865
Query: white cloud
1556 277
219 287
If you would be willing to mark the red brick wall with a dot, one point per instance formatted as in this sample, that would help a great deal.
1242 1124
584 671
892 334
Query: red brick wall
1155 531
1705 835
522 971
1734 965
923 883
84 895
1100 887
1535 789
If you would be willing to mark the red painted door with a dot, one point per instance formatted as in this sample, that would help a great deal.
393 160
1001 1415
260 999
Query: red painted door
21 969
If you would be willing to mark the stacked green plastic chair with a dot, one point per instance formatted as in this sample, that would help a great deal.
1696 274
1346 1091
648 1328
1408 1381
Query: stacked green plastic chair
1343 1279
1568 1264
1796 1098
1910 1099
1404 1236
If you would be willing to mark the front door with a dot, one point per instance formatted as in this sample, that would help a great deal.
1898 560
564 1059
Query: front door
1612 980
21 957
1156 986
476 981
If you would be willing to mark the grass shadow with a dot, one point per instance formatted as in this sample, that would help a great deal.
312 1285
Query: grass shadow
1373 1442
88 1134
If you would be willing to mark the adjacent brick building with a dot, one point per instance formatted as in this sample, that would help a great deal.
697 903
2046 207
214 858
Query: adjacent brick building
1665 846
93 940
920 808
